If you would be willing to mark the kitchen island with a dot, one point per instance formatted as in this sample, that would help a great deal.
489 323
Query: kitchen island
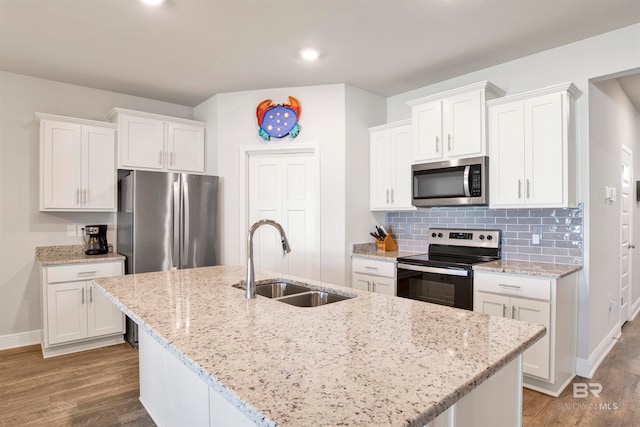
368 360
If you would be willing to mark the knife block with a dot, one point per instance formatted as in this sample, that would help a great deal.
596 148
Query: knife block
387 245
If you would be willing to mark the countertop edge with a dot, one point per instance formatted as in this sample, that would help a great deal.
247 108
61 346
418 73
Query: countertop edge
547 270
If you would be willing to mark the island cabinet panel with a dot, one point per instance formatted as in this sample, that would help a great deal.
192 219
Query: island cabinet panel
374 275
451 124
77 164
533 149
390 167
155 142
75 315
549 364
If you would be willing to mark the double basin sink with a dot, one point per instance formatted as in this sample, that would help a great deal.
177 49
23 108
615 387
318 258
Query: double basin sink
294 294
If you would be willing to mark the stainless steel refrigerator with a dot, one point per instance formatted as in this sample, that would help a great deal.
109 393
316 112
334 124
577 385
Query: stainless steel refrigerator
166 221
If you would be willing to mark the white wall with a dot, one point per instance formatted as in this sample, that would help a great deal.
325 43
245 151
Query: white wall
578 62
635 253
22 226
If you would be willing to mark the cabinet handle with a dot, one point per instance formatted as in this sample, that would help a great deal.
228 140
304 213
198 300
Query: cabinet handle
85 196
387 195
86 272
509 286
437 141
369 286
392 196
82 295
160 158
504 310
172 157
370 268
519 189
77 196
91 294
528 189
373 286
449 141
513 312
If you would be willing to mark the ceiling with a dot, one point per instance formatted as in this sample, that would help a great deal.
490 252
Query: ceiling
188 50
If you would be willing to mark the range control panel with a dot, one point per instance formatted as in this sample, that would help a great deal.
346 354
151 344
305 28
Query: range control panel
464 237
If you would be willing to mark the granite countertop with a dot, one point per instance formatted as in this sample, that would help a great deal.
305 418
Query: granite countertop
369 360
542 269
71 254
370 250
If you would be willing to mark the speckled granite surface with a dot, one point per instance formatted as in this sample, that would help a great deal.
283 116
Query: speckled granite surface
51 255
369 250
370 360
529 268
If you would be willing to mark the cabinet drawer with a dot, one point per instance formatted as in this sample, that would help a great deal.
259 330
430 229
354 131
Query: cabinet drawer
84 271
507 284
374 267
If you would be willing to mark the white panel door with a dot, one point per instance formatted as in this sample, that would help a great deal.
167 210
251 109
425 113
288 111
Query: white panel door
382 169
545 151
401 190
462 124
61 172
625 235
361 281
384 285
427 131
99 168
66 312
142 142
535 361
103 317
185 147
282 187
496 305
506 145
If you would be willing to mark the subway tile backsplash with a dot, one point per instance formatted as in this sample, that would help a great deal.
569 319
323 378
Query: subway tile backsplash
561 230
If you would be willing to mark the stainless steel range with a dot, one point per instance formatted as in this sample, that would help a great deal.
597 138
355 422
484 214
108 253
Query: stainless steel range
444 275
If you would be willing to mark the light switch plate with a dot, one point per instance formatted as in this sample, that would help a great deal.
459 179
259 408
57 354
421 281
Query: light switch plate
536 235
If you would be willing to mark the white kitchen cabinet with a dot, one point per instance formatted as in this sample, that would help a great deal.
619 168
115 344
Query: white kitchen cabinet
451 124
532 149
76 316
548 365
390 167
155 142
77 164
374 275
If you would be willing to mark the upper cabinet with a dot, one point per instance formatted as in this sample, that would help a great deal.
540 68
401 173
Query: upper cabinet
156 142
451 124
390 167
77 164
532 149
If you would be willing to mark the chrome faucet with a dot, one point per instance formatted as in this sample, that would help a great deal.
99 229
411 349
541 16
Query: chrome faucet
251 279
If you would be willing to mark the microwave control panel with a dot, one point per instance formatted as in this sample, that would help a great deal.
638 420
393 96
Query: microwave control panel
475 181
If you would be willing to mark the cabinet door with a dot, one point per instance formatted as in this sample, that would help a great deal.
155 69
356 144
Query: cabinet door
60 156
462 124
545 151
384 285
506 145
66 312
361 281
185 147
141 142
98 168
103 317
382 170
401 190
496 305
426 121
535 360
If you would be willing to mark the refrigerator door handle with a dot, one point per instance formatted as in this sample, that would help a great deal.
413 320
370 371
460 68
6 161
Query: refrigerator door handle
184 242
175 247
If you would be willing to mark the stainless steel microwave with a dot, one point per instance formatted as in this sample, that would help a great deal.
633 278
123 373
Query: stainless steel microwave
451 183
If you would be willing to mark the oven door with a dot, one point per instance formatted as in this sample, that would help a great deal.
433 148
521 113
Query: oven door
437 285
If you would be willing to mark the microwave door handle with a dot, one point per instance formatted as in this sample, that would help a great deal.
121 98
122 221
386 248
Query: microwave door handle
467 193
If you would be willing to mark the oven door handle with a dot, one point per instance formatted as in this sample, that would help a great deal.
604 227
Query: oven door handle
437 270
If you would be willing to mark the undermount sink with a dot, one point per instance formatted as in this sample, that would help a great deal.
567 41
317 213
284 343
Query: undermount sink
291 293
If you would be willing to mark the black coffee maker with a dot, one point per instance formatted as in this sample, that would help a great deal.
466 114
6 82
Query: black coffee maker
96 240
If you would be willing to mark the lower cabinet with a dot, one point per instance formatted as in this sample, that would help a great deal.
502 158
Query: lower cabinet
76 316
549 365
374 275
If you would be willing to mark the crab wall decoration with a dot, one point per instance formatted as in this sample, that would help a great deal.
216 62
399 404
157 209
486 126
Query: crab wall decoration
278 120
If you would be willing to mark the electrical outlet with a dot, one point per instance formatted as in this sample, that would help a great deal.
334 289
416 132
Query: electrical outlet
536 236
71 230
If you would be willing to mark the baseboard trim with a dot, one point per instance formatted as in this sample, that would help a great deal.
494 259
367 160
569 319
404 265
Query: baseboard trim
587 367
635 309
21 339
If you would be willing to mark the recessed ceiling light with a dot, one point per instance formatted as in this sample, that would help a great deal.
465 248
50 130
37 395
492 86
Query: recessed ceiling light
153 2
309 54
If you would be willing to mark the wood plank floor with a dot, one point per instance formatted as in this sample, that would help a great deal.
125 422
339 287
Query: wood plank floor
100 388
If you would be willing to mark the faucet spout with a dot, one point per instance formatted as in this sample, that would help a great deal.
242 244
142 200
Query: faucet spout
286 248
